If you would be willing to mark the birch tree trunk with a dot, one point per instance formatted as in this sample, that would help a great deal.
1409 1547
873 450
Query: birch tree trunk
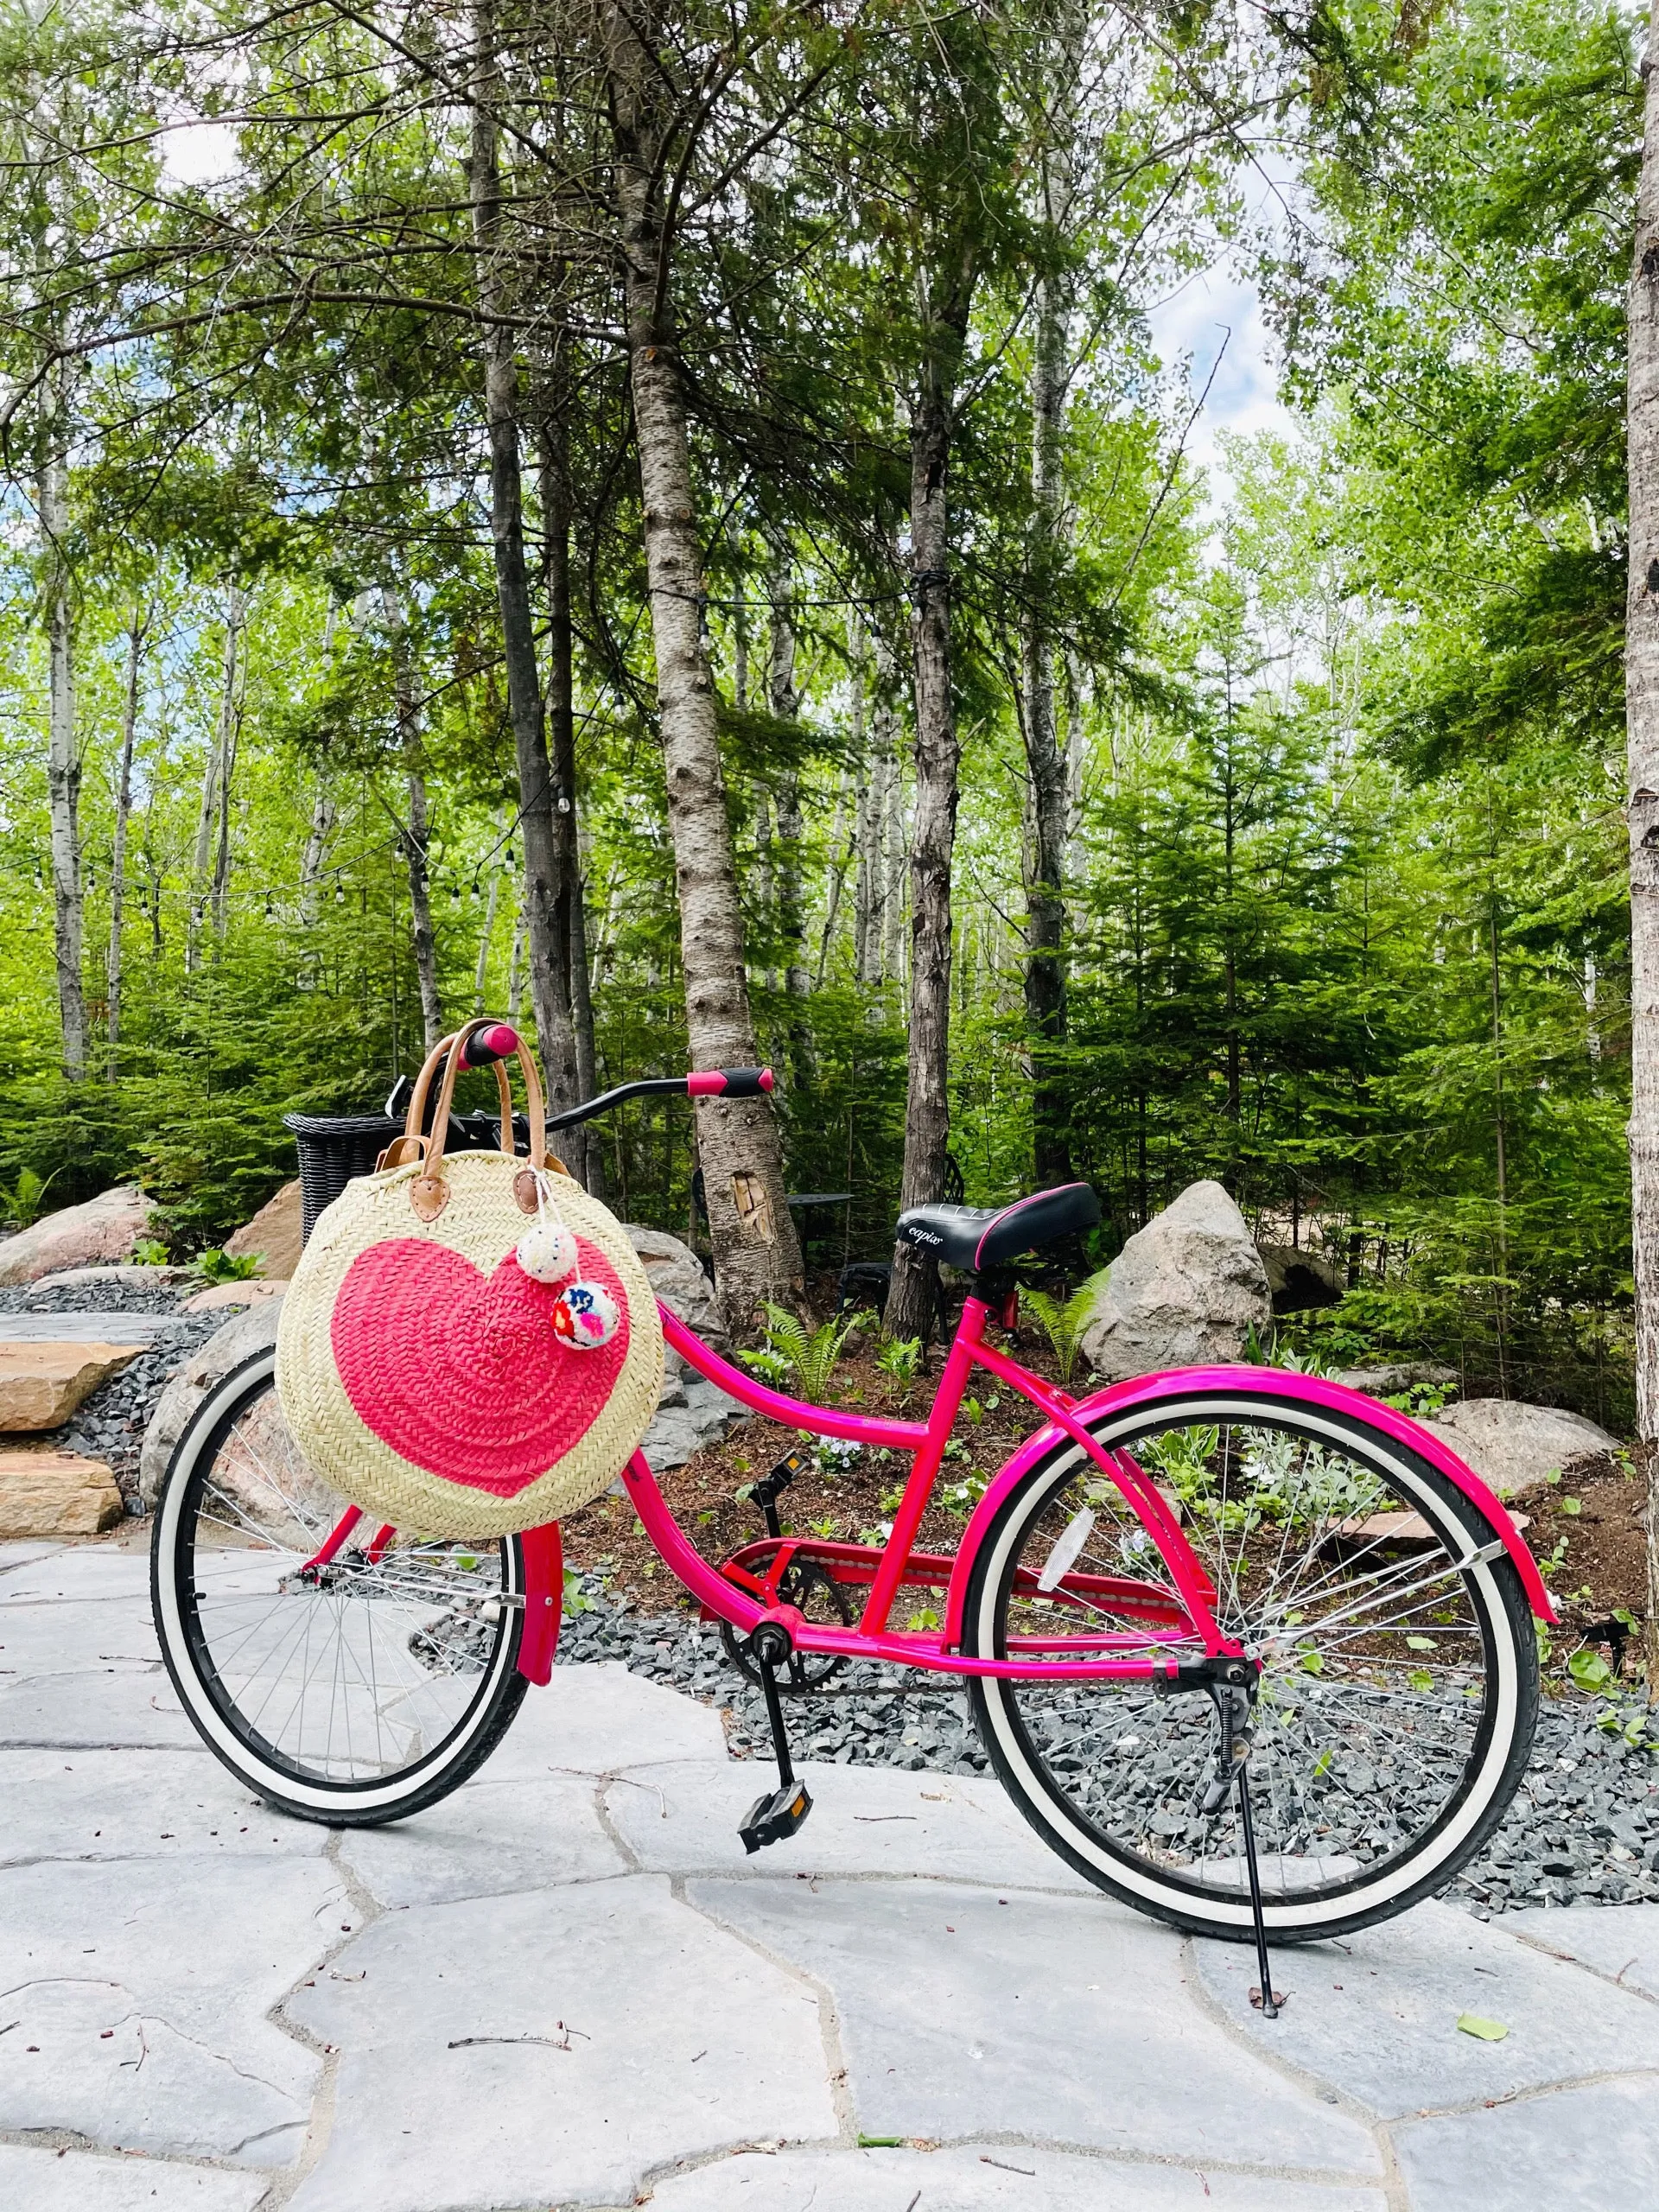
118 838
481 972
785 701
927 1111
757 1255
62 756
895 842
1642 706
541 905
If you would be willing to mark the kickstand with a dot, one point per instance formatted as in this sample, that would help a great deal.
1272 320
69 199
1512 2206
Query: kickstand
771 1818
1270 2002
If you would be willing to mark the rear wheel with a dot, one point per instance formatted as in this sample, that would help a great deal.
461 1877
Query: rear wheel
1398 1684
353 1693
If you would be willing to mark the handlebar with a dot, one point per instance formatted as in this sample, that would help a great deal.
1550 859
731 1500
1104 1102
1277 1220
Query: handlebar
500 1041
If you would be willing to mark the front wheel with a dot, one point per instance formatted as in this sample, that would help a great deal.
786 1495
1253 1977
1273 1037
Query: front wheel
353 1694
1398 1685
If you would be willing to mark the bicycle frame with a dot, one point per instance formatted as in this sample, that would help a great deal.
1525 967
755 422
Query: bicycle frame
744 1591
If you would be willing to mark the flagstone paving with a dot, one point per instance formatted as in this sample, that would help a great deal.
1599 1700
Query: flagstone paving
566 1985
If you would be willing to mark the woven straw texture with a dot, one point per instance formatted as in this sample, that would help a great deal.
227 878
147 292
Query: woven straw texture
418 1368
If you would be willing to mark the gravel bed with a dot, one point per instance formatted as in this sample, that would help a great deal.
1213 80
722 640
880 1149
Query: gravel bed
1583 1827
109 1296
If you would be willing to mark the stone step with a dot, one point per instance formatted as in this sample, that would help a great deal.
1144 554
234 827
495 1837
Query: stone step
136 1329
40 1384
55 1494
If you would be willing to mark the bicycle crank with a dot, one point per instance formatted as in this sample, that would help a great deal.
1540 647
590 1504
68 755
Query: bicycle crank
780 1813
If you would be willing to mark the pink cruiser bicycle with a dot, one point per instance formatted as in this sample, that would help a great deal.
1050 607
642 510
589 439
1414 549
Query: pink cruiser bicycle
1250 1651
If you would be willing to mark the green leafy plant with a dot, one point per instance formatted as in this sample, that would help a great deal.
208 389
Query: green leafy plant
1063 1321
810 1357
23 1203
1590 1670
899 1357
216 1266
148 1252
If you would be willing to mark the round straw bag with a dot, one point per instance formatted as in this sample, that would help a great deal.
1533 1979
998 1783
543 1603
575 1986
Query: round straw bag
469 1346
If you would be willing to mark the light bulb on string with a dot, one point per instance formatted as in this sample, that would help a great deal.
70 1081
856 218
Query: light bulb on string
339 894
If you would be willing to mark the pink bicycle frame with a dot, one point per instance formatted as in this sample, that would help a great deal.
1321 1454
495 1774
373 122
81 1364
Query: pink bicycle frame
742 1595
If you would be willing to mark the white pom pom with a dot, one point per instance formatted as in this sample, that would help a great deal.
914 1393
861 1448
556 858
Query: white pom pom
547 1252
586 1316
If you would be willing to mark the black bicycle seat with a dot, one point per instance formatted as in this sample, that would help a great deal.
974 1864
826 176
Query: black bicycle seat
976 1238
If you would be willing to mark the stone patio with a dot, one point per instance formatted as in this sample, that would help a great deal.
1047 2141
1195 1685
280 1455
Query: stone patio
566 1985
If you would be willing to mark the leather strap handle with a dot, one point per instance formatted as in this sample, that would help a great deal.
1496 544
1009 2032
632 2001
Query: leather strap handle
427 1193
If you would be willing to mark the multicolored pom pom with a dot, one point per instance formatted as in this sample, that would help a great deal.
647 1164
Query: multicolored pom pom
547 1253
586 1316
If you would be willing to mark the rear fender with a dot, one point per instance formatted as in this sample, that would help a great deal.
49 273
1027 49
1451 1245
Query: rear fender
543 1601
1264 1382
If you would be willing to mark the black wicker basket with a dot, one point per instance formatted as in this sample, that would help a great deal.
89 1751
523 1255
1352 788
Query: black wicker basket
336 1149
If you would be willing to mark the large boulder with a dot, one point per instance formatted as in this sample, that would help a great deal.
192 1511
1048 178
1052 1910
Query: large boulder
1184 1292
105 1228
274 1234
245 1334
675 1274
1513 1447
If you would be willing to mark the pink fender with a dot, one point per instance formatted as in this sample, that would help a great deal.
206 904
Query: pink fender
1269 1382
544 1602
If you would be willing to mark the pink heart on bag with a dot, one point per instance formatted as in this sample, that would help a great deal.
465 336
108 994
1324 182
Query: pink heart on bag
461 1372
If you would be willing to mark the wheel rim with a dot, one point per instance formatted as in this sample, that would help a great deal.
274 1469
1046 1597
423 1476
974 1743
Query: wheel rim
360 1681
1373 1757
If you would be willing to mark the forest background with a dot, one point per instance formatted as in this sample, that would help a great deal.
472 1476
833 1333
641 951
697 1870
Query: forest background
928 721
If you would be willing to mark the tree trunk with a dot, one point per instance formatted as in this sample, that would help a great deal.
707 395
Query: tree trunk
481 972
884 722
1044 976
784 702
757 1255
1642 702
542 904
63 757
927 1109
118 839
868 861
579 1146
230 735
416 838
205 856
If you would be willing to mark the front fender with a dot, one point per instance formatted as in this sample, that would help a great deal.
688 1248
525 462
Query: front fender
1266 1382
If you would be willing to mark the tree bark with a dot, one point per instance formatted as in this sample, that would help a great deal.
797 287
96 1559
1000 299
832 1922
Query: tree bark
63 757
215 800
1044 966
579 1146
937 755
757 1255
118 838
1642 705
417 837
542 904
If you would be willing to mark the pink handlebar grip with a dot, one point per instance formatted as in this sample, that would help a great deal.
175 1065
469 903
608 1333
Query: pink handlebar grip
498 1042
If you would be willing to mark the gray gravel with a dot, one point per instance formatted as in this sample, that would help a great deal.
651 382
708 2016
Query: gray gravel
1583 1827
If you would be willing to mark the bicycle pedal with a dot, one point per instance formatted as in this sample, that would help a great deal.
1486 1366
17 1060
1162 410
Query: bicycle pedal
769 1819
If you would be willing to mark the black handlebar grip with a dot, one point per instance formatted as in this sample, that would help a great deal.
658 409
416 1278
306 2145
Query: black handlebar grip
730 1082
497 1041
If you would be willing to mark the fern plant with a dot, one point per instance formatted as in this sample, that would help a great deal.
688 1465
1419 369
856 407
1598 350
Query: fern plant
899 1357
21 1205
809 1357
1063 1320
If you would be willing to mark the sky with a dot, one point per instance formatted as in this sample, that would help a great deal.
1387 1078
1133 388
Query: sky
1214 309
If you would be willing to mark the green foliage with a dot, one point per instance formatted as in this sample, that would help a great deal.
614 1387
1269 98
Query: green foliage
900 1357
1063 1320
149 1252
25 1201
808 1357
214 1266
